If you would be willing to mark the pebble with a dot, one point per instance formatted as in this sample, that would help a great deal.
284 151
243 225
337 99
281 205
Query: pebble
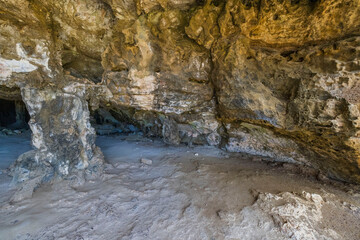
146 161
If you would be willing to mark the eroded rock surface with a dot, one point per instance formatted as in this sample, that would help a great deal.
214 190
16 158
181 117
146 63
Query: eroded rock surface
274 78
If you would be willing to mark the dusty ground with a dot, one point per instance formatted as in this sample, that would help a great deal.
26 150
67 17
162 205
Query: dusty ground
186 193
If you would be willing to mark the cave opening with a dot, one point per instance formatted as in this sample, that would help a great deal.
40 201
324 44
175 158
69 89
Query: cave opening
13 115
15 136
109 122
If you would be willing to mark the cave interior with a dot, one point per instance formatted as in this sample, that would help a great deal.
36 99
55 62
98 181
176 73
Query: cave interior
13 115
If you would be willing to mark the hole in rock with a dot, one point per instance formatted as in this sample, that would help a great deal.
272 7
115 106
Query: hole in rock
81 66
13 115
14 131
107 122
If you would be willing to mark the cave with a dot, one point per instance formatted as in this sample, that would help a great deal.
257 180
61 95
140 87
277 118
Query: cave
13 115
192 119
14 131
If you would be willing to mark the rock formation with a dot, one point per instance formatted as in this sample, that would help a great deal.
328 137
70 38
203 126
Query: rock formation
278 78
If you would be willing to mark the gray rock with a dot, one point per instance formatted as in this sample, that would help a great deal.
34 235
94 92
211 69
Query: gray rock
146 161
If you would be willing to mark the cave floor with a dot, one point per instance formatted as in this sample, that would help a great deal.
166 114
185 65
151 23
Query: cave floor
186 193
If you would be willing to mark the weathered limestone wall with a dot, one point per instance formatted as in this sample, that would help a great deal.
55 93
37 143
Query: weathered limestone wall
275 78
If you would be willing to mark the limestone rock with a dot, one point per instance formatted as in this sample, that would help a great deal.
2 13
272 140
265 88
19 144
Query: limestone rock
171 132
275 78
63 138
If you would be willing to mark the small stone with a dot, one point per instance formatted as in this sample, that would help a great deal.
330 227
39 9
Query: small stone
146 161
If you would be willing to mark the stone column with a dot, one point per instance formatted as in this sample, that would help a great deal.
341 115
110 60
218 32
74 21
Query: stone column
63 139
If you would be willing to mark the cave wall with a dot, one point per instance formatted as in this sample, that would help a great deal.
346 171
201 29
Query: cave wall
275 78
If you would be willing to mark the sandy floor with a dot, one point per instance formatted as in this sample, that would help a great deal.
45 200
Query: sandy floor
186 193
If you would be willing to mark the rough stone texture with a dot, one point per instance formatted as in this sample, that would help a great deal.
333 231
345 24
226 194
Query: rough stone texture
275 78
62 134
286 211
63 141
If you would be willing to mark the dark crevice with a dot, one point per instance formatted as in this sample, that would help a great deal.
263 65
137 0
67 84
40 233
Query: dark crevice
13 115
107 122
